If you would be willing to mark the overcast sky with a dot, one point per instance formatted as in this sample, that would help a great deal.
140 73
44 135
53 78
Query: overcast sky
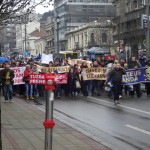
41 9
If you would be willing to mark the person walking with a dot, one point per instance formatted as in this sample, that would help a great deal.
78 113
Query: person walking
134 64
116 77
7 76
84 83
95 83
28 87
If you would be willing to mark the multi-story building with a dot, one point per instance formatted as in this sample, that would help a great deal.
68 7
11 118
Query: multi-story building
8 39
49 28
73 13
129 28
23 29
90 35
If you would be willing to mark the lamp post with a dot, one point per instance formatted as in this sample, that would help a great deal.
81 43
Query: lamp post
148 28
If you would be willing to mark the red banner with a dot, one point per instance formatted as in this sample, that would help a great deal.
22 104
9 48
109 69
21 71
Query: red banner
40 78
61 78
37 79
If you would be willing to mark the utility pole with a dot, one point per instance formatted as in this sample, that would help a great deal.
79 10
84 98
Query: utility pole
0 123
25 37
148 28
56 25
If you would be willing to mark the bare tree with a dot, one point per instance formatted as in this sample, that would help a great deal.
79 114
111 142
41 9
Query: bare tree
10 9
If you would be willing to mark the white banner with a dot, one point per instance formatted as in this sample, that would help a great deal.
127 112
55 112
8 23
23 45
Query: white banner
46 58
18 71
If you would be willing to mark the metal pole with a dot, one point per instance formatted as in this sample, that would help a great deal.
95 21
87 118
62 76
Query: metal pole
25 37
0 124
148 30
56 31
49 116
57 37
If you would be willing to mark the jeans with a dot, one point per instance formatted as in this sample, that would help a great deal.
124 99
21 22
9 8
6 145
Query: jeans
29 89
7 91
35 90
58 90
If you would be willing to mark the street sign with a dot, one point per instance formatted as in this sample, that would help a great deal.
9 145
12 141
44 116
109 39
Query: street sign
145 22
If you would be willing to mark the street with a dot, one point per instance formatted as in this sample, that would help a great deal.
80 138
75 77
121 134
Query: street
122 127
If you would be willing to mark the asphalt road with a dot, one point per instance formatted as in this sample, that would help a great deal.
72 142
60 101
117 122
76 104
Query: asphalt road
122 127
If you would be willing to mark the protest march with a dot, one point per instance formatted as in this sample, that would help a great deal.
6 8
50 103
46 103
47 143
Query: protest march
74 76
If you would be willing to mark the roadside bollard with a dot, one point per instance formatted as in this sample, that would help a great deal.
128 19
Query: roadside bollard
49 122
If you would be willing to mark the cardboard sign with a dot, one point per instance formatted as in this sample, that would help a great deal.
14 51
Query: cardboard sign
79 62
94 74
46 58
59 69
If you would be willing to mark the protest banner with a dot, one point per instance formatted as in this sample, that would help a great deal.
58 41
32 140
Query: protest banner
18 71
135 76
79 62
45 59
40 78
94 74
37 79
18 75
59 69
61 78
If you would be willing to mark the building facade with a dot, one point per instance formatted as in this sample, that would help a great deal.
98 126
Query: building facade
73 13
129 30
49 38
40 45
91 35
24 27
7 39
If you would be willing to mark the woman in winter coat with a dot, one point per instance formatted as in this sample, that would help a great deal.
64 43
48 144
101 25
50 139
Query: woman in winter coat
72 78
28 87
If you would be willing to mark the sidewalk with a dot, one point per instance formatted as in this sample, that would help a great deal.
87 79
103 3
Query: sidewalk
22 129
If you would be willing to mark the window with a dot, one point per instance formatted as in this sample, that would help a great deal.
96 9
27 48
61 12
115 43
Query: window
104 38
92 38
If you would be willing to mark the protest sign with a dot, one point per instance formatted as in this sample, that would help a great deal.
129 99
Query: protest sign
37 79
135 76
18 71
62 78
94 74
40 78
18 75
79 62
59 69
45 59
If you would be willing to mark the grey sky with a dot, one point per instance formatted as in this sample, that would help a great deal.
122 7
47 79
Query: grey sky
41 9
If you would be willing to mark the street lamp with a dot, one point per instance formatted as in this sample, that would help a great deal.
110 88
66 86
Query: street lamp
148 27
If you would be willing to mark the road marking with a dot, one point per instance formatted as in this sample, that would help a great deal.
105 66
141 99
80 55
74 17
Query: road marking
138 129
123 106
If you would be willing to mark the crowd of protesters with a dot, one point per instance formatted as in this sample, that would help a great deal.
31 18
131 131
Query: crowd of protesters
76 84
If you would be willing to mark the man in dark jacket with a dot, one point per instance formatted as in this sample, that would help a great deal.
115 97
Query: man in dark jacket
7 76
116 77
